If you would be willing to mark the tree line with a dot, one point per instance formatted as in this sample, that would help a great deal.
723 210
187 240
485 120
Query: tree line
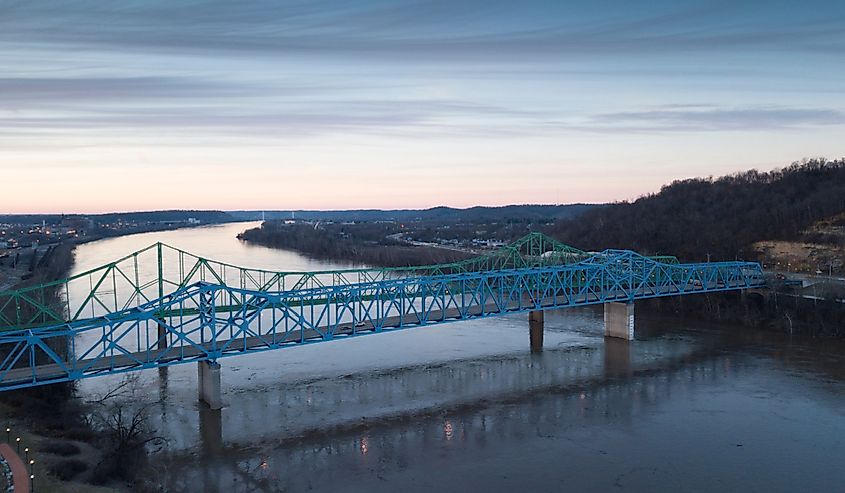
717 217
366 244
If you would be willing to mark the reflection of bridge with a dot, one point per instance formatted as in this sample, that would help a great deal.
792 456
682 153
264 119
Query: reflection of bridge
162 306
495 404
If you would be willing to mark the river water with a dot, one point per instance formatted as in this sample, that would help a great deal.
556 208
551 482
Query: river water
467 407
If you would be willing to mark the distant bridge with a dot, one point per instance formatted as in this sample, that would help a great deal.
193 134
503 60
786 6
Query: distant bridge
162 306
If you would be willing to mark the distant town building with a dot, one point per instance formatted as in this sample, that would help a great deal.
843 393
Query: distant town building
77 223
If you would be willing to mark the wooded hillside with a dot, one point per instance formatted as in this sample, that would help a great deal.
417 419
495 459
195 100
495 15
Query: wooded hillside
722 217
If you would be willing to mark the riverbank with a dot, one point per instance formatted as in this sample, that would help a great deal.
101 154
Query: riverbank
61 464
770 310
367 244
51 420
32 266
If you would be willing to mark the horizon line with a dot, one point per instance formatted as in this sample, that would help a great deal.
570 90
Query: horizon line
408 209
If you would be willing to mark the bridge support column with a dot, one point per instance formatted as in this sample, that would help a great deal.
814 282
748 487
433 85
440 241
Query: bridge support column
536 324
619 320
208 382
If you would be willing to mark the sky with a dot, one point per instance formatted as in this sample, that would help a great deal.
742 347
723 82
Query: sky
270 104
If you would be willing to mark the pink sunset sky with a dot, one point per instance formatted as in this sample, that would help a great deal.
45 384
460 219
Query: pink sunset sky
152 105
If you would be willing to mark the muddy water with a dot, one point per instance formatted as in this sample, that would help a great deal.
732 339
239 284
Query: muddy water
466 406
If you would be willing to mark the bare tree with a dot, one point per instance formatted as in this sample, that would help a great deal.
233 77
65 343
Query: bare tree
124 426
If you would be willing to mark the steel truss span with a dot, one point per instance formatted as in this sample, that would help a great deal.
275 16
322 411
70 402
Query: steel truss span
202 319
151 273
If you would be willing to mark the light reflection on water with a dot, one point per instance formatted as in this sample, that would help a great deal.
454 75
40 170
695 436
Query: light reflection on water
466 406
715 417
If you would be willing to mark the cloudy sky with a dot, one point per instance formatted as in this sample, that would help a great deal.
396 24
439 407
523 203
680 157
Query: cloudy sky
269 104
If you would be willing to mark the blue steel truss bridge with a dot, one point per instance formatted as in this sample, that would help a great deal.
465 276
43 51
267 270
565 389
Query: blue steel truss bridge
162 306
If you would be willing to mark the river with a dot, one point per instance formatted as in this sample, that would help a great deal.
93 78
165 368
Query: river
467 407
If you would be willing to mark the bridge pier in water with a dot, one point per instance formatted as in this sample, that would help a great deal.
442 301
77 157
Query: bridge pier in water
208 383
536 324
619 320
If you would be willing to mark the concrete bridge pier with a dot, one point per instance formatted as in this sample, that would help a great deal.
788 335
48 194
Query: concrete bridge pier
536 323
619 320
208 382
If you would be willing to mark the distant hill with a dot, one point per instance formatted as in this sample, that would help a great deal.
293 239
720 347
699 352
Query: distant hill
520 213
171 215
146 216
722 217
440 214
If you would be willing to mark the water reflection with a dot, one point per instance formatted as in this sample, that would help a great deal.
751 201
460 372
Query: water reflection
211 430
162 385
325 404
391 447
617 357
582 415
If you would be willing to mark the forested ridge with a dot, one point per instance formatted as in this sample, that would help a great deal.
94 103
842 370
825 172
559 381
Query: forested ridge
722 217
355 244
443 215
205 216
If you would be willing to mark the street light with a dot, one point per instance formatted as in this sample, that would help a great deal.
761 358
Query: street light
18 439
8 435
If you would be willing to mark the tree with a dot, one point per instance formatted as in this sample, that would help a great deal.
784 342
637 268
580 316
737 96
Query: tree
125 431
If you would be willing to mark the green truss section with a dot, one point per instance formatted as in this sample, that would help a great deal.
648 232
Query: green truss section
155 271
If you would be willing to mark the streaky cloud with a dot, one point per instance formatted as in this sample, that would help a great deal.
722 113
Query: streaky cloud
446 30
707 118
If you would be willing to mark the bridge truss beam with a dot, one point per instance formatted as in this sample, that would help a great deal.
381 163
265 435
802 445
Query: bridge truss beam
208 321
